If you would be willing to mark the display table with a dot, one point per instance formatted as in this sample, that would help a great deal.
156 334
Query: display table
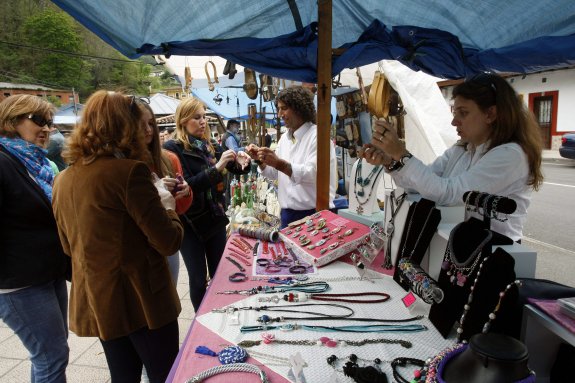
214 331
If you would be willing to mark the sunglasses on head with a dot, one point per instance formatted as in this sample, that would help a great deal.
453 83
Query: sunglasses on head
40 120
484 79
136 99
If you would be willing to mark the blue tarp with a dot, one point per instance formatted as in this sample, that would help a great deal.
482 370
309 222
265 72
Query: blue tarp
445 38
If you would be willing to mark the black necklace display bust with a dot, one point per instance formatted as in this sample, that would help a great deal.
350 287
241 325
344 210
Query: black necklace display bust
493 358
497 272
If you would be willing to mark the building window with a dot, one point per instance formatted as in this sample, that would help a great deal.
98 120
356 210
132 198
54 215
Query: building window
58 97
6 94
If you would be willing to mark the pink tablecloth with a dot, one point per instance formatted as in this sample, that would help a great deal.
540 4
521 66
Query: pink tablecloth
188 363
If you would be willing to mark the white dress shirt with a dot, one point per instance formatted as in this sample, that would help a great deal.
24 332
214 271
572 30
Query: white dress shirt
502 171
298 192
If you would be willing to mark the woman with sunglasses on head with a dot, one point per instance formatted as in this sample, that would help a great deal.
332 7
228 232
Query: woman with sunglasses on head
499 152
118 227
33 266
205 221
166 165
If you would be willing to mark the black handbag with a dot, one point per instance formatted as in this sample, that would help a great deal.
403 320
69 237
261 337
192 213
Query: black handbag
205 224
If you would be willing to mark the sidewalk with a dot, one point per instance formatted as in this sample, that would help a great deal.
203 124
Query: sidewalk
87 361
554 156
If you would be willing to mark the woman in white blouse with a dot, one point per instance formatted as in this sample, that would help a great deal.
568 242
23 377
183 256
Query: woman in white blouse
499 151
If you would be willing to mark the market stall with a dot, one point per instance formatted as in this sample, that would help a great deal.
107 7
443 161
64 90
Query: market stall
320 301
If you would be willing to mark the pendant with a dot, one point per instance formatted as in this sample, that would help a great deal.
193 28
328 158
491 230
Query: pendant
366 182
359 180
389 229
461 279
360 193
359 209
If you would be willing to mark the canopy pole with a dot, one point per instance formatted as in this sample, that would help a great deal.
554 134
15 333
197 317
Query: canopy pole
323 103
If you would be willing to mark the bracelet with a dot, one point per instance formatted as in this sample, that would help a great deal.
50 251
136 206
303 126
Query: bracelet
238 277
234 367
284 263
235 263
263 262
297 269
403 362
273 269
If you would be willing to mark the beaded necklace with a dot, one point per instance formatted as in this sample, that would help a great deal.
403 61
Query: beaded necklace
323 341
460 271
361 182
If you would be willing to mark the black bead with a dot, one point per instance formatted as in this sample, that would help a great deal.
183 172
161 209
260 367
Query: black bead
353 358
377 361
331 359
260 288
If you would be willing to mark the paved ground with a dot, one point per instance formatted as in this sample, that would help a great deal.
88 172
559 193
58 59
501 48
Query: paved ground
87 360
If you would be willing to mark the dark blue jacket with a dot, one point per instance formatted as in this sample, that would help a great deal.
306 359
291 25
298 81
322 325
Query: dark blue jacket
30 249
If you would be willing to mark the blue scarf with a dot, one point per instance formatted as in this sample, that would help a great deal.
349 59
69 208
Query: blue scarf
34 158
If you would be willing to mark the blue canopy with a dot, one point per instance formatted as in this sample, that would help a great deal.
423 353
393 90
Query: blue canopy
445 38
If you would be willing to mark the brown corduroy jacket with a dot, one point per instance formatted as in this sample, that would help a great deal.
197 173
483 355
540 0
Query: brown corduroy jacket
112 224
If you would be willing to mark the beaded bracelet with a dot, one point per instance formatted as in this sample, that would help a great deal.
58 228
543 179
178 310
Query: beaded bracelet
238 277
404 362
297 269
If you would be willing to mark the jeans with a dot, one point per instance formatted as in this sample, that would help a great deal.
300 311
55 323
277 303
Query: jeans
174 266
38 315
196 253
155 349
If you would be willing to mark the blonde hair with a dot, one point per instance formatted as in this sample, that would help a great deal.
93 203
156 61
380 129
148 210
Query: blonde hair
16 107
185 111
111 125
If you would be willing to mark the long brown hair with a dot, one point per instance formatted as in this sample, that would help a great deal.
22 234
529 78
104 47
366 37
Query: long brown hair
110 125
514 122
159 162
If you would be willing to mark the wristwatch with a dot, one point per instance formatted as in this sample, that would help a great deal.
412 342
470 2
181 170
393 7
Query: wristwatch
396 165
404 158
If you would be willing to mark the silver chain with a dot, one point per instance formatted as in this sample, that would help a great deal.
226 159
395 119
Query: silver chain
234 367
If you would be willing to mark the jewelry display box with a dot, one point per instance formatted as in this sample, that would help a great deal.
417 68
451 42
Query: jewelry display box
347 234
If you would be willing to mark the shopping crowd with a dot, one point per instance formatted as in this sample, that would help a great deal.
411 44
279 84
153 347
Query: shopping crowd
128 199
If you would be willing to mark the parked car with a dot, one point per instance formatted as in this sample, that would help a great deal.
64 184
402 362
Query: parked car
567 148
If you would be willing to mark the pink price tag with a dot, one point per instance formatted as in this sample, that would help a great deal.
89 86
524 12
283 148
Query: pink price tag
409 299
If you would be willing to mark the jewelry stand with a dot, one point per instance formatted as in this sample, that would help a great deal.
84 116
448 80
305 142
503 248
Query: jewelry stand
497 271
363 191
422 221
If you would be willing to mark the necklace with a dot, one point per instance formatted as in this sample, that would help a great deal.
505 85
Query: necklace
459 271
360 182
291 297
390 228
291 309
353 329
323 341
234 367
408 233
310 287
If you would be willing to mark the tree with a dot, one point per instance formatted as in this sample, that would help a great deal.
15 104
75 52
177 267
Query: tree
54 30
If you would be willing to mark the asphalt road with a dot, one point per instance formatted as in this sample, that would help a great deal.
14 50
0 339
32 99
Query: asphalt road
550 226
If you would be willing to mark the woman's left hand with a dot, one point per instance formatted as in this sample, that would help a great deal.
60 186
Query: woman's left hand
385 138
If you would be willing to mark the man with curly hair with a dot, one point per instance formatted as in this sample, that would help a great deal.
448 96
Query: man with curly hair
294 162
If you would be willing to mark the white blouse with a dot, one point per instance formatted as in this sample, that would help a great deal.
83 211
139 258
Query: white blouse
502 171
